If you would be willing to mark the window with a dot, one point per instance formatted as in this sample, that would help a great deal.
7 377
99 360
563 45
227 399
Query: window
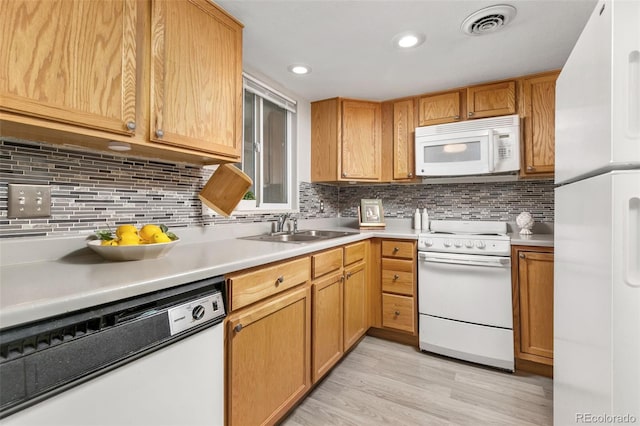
269 118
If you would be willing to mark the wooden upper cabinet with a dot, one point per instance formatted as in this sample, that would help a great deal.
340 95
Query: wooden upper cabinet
538 101
439 109
489 100
196 77
403 139
361 157
345 140
70 61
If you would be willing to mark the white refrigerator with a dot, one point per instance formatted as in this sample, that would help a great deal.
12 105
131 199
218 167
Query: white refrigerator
597 222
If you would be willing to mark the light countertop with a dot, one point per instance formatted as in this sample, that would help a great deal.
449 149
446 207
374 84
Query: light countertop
58 283
537 240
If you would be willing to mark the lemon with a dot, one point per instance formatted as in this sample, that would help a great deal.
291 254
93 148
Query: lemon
125 228
147 232
161 238
129 239
109 243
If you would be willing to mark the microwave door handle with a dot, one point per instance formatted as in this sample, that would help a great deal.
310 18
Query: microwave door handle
491 159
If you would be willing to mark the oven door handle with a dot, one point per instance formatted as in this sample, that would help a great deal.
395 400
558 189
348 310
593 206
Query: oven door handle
498 262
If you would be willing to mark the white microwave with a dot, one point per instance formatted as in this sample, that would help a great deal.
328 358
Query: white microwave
473 147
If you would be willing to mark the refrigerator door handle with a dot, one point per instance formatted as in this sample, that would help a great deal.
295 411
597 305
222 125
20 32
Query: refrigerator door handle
632 235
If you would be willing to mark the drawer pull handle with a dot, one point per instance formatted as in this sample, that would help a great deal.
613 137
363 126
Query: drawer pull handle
397 313
396 276
238 328
395 250
280 280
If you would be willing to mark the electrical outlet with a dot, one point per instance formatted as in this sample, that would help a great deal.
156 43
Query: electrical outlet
27 201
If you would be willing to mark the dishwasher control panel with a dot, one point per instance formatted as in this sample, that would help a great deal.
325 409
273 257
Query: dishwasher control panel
196 312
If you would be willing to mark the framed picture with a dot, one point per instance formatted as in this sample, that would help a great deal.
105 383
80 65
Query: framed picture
370 213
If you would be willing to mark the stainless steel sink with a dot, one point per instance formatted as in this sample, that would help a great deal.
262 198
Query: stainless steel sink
305 236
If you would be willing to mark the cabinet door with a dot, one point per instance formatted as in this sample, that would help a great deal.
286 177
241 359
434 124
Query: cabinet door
403 140
196 77
327 325
355 302
439 109
268 358
489 100
360 151
539 102
535 279
72 61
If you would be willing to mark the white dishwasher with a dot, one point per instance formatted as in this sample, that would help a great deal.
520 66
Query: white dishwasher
151 360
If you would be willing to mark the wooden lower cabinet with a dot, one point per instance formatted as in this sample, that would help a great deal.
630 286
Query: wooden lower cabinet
533 306
398 312
327 327
398 286
268 357
355 304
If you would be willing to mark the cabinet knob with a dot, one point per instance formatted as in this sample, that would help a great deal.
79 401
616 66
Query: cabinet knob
530 168
159 133
522 256
279 280
396 276
457 117
470 114
344 174
397 313
131 125
410 175
348 275
395 250
238 328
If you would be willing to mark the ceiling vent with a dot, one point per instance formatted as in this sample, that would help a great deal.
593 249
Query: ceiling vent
488 20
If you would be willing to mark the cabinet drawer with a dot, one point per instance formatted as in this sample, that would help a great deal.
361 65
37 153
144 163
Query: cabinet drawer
398 249
326 262
398 276
398 313
249 287
354 253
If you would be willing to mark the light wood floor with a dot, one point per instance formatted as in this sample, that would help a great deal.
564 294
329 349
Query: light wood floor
385 383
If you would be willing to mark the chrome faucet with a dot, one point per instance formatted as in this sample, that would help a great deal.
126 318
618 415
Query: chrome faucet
281 221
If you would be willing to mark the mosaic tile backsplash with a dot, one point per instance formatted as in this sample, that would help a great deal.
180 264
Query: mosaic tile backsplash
502 201
91 190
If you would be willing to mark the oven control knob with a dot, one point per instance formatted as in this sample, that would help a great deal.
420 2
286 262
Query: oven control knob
447 243
427 243
479 244
468 244
197 312
457 243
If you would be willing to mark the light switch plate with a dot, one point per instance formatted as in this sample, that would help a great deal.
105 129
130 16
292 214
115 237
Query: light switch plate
26 201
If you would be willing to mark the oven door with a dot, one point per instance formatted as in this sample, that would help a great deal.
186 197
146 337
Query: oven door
454 154
470 288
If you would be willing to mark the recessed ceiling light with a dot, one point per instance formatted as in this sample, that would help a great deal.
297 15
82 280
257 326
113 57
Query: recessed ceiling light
119 146
408 39
300 69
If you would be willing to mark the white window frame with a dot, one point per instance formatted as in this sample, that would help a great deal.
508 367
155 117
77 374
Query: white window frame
263 91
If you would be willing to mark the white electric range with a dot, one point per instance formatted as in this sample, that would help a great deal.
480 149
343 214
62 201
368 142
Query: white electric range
464 292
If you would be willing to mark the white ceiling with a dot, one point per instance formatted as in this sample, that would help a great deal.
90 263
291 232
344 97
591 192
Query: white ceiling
348 43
